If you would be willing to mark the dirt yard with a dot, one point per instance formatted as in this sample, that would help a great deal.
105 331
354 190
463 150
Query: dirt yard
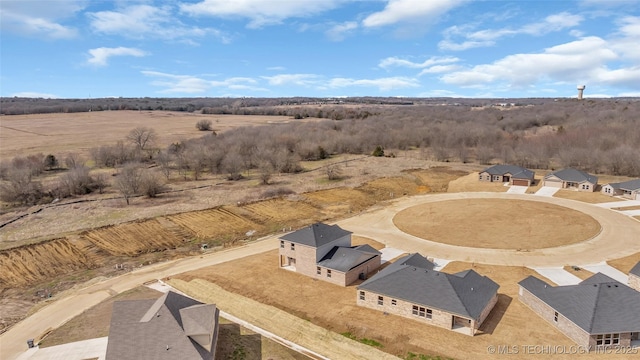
581 273
333 308
494 223
588 197
625 264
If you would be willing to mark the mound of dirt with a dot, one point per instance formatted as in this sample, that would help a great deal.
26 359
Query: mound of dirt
32 263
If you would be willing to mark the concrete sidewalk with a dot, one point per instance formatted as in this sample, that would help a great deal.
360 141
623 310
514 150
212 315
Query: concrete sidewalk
389 253
558 275
608 270
547 191
517 189
617 204
79 350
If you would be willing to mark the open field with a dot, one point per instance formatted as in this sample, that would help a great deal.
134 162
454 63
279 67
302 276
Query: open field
495 223
471 183
333 307
78 132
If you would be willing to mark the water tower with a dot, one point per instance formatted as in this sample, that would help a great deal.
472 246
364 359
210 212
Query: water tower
580 90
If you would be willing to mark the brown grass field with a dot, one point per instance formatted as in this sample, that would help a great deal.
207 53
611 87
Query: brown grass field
582 273
78 132
592 198
626 263
493 225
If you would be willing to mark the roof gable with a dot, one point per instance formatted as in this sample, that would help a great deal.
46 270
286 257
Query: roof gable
316 235
598 305
465 294
157 329
517 172
630 185
573 175
343 259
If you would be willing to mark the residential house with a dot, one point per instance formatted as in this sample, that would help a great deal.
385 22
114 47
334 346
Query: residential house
598 312
171 327
571 179
634 277
512 174
628 189
324 252
411 288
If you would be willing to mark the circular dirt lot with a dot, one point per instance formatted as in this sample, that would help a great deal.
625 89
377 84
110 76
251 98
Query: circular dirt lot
497 223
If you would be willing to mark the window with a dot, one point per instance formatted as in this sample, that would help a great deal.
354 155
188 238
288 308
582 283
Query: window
328 273
608 339
282 244
380 300
293 246
393 302
555 316
422 312
361 295
318 270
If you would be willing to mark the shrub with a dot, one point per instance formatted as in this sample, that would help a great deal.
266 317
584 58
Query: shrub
379 152
204 125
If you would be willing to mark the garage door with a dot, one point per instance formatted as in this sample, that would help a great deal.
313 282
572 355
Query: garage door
521 182
553 183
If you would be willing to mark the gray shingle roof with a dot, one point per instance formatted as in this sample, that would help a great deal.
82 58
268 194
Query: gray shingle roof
343 259
516 172
598 305
465 294
316 235
635 270
136 335
630 185
573 175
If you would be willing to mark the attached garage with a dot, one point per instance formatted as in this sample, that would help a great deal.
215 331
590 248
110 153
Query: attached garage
521 182
553 183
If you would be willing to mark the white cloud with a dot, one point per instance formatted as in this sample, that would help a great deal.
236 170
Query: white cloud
581 61
396 61
293 79
397 11
276 68
100 56
141 21
438 69
31 94
383 84
43 19
190 84
338 32
488 37
259 12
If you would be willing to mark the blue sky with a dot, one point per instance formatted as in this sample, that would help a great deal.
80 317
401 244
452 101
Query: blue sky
319 48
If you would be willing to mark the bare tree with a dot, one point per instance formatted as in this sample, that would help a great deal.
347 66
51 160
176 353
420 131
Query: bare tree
163 159
73 160
20 187
77 181
232 164
142 137
129 180
151 183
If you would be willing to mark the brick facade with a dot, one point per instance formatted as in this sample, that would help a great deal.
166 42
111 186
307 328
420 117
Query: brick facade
406 309
305 261
564 325
634 281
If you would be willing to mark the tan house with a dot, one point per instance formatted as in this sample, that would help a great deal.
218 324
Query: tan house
171 327
324 252
598 312
628 189
411 288
634 277
512 174
571 179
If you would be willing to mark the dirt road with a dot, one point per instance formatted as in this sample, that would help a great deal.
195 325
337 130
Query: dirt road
14 341
618 237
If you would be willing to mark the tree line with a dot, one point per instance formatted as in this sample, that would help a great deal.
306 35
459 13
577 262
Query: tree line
598 136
